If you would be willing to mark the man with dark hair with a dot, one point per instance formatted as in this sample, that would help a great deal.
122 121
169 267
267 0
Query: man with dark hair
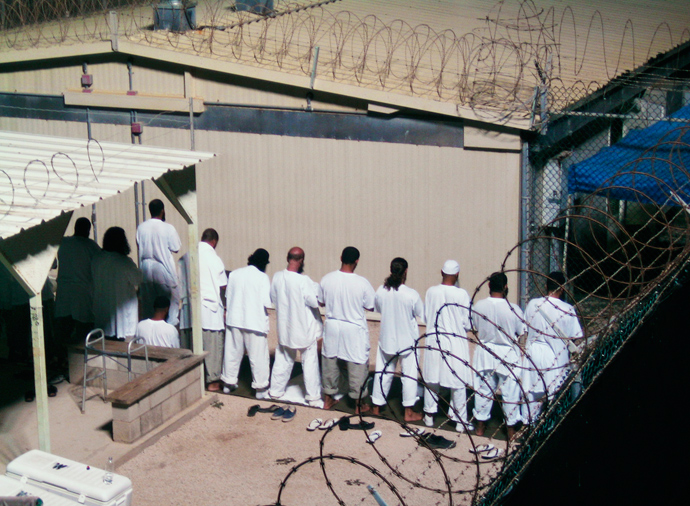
551 324
294 296
212 281
157 242
447 352
346 296
116 279
499 324
155 330
74 299
248 296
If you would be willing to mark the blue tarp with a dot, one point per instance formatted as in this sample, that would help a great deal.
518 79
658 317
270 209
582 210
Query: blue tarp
646 165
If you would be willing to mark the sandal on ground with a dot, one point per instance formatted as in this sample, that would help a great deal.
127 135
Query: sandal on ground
482 448
314 424
374 436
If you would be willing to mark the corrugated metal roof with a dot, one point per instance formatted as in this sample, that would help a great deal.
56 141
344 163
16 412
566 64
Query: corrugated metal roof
42 176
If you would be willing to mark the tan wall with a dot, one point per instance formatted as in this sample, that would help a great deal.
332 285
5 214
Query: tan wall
424 203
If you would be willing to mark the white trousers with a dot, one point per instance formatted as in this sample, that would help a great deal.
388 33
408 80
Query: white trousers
256 345
458 402
282 370
486 385
384 378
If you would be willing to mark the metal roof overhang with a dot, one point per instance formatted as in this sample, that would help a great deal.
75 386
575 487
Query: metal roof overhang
43 179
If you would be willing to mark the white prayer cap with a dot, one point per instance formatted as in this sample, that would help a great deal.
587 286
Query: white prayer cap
451 267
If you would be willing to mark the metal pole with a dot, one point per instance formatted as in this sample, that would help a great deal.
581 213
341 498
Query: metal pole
40 374
523 260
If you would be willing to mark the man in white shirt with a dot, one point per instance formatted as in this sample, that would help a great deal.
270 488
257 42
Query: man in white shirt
248 296
447 355
551 324
499 324
346 296
155 330
400 306
294 296
157 242
212 281
74 299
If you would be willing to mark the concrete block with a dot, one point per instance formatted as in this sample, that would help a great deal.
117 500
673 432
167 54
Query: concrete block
151 419
144 404
178 384
76 368
160 395
126 414
192 393
126 432
172 406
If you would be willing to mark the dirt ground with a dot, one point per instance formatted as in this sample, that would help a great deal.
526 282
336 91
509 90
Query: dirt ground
224 457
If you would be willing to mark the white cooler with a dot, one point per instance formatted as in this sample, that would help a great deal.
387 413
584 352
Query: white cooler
72 480
10 487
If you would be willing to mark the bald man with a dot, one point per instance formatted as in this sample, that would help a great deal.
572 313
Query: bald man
294 296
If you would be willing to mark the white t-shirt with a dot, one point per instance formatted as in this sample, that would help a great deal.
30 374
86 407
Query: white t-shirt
294 296
75 282
346 334
447 355
158 333
157 242
212 279
399 310
116 308
247 296
499 323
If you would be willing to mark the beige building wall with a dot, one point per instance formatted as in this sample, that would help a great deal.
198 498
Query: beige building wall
426 204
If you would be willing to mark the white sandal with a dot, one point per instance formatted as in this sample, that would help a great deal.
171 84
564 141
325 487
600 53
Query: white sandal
314 424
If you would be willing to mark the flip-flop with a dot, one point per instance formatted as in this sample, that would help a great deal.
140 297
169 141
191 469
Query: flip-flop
482 448
411 432
253 410
374 436
344 423
278 413
52 390
289 414
329 423
492 454
314 424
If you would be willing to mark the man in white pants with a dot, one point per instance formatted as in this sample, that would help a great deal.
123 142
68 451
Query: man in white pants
499 324
248 296
400 306
294 296
551 323
157 242
346 296
447 354
212 283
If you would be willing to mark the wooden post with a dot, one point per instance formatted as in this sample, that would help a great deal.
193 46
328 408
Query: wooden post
40 374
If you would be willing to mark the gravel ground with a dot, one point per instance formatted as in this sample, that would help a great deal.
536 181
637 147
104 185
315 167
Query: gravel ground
224 457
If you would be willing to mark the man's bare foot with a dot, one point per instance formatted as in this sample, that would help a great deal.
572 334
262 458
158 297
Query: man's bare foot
214 386
480 428
362 408
375 410
412 416
328 402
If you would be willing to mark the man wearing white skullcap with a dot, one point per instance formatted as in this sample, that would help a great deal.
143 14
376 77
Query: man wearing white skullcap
447 354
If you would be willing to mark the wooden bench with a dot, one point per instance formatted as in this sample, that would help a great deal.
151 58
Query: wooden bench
153 397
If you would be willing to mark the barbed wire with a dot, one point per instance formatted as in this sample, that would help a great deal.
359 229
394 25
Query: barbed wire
493 69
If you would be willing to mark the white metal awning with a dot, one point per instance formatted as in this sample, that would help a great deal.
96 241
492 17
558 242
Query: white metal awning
43 176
